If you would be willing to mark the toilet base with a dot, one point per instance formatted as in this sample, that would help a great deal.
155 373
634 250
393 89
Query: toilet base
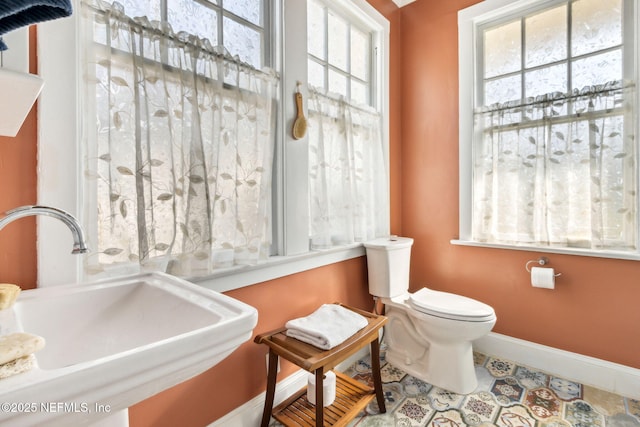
446 365
448 369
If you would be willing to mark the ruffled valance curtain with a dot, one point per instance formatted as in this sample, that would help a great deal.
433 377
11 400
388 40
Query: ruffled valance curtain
558 170
179 144
348 179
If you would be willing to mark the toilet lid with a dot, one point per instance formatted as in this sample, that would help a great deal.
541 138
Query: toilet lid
450 306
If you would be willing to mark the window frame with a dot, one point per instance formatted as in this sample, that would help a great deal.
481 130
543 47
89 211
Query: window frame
59 154
469 20
328 66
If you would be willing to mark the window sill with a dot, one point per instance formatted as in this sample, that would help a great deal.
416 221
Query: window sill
276 267
634 256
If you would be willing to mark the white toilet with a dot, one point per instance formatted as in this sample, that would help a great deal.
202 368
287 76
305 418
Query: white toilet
429 332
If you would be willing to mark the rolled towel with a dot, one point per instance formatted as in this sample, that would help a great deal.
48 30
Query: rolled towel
19 344
17 366
21 13
328 326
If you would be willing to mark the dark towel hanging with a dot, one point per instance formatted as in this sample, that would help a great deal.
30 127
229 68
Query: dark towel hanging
20 13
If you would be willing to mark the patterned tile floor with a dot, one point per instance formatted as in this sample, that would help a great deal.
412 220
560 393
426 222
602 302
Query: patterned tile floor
508 395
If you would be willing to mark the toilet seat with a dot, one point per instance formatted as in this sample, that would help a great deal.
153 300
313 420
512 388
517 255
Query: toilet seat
450 306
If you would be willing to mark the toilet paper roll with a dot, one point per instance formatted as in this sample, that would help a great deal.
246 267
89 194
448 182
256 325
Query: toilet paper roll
543 277
328 388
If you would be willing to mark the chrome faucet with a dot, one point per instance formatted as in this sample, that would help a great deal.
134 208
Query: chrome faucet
79 245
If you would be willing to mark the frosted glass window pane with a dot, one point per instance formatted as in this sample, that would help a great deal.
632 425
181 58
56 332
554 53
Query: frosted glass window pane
148 8
316 74
359 92
597 24
99 33
192 17
337 83
243 41
247 9
546 37
360 52
316 32
598 69
502 49
338 39
502 90
546 80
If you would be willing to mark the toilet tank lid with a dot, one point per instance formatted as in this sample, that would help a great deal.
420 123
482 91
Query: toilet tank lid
392 242
452 304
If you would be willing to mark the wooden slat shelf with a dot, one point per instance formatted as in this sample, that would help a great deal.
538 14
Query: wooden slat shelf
351 398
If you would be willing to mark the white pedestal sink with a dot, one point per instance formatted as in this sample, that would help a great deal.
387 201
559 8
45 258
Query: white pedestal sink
113 343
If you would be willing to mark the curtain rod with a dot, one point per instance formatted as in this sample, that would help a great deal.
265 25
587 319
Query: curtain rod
133 23
558 97
365 109
570 118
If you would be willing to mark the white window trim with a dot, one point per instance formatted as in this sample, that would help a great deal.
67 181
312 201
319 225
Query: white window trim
468 20
295 239
59 182
58 143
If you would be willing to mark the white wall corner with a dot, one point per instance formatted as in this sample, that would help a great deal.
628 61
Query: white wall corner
16 58
401 3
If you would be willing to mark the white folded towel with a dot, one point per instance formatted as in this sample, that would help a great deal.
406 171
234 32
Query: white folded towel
327 327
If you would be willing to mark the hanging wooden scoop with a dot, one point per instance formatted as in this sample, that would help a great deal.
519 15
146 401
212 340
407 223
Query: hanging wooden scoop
300 123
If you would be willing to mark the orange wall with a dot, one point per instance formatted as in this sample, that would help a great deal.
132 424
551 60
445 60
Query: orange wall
18 186
594 308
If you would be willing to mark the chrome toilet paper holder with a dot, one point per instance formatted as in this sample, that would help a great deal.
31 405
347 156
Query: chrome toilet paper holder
541 261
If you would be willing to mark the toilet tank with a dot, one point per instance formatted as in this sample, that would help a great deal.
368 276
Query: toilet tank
388 265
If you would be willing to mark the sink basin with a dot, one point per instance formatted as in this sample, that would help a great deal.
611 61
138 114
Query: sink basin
90 322
113 343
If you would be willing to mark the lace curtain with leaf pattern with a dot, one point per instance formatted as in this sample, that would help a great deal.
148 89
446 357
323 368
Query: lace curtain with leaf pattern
558 170
348 179
179 143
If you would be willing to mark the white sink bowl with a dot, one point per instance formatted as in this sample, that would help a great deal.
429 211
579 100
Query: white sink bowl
113 343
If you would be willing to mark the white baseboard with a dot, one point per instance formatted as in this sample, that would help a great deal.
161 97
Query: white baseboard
608 376
250 413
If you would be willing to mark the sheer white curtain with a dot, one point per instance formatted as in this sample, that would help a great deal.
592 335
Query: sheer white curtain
178 143
558 170
348 179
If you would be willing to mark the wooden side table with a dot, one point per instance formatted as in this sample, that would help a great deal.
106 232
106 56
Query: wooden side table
351 396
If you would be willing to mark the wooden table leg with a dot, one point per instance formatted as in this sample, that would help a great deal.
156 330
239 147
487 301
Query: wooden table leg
271 388
319 397
377 378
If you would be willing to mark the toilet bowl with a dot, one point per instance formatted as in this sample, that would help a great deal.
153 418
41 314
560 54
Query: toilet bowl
429 333
436 346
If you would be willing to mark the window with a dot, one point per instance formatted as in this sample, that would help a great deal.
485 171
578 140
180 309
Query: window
549 139
253 31
179 141
348 183
340 54
242 27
